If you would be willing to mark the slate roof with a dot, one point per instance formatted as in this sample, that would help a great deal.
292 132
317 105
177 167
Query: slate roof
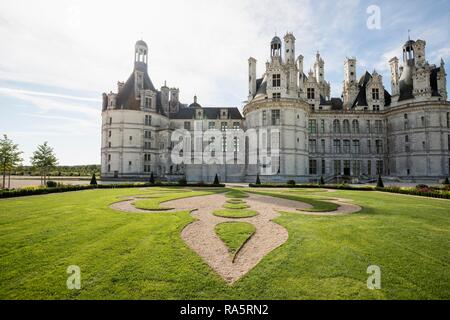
361 98
209 113
126 98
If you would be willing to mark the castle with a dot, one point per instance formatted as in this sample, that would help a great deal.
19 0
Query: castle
299 131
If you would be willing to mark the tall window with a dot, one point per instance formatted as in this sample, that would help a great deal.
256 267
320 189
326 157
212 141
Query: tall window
275 117
356 146
422 120
276 80
236 125
379 166
346 126
148 120
378 126
323 166
110 121
322 142
368 126
337 146
369 146
312 126
276 96
379 146
347 146
148 102
313 167
236 144
336 126
355 126
312 146
337 167
224 144
187 125
310 93
369 167
211 125
322 126
264 117
376 94
376 107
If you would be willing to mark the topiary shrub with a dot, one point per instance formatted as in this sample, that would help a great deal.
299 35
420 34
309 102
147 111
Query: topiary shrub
322 181
446 182
423 188
216 180
152 178
291 183
258 181
380 183
93 180
51 184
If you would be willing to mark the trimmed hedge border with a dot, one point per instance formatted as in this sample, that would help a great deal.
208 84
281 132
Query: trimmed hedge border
414 192
68 188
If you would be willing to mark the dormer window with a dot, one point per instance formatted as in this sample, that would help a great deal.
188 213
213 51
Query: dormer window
310 93
375 94
148 102
276 80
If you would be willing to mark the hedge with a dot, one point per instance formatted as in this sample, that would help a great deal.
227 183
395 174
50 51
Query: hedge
32 191
415 192
305 186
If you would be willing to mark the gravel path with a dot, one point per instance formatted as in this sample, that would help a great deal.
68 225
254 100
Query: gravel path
128 206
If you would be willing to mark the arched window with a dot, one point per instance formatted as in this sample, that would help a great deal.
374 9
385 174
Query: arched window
336 126
355 126
346 126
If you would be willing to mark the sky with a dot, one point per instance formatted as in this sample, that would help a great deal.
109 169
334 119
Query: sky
57 57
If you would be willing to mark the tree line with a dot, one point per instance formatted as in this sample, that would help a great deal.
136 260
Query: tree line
43 160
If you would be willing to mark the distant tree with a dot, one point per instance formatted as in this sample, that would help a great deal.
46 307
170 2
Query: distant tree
446 182
152 178
93 180
9 158
258 181
216 180
44 160
380 183
322 181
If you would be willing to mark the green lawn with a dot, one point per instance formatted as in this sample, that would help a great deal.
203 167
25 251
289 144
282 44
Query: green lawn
234 234
142 255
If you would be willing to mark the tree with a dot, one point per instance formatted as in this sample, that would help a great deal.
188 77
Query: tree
44 160
446 182
258 181
380 183
9 158
152 178
93 180
216 180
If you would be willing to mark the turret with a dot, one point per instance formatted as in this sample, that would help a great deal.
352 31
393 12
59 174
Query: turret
251 78
165 92
275 48
140 55
319 68
289 47
350 84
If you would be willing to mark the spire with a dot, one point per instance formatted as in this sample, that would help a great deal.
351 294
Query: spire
409 34
195 98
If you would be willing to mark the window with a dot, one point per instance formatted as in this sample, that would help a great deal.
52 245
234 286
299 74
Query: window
337 167
310 93
276 96
379 166
276 80
130 163
322 143
264 117
109 133
408 172
356 146
406 139
369 146
323 166
448 119
224 126
187 125
356 168
131 138
148 120
110 121
369 167
322 126
212 146
423 145
312 145
448 138
224 144
109 144
337 146
376 107
275 117
236 144
336 126
313 167
211 125
368 126
109 168
379 146
346 146
422 120
346 126
407 148
375 94
355 126
148 102
236 125
109 157
378 126
312 127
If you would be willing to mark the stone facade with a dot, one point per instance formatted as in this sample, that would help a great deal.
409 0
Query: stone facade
369 131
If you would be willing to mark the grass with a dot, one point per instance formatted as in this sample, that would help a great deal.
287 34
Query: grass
235 193
142 256
234 234
236 206
235 201
153 204
231 213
